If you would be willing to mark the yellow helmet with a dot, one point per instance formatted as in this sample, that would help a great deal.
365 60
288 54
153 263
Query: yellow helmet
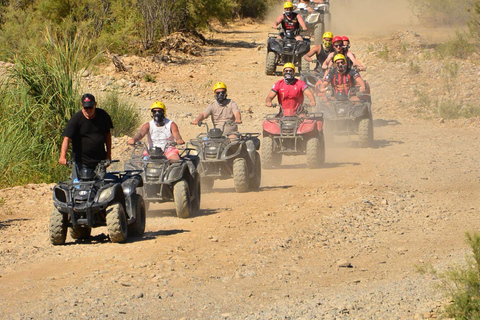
159 105
339 56
328 34
287 5
219 85
288 65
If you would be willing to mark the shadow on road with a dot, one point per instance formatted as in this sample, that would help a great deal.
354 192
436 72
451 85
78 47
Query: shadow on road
383 123
154 234
158 213
9 222
231 44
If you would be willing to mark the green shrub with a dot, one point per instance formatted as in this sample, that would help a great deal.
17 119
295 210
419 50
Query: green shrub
458 47
125 117
462 284
384 53
149 78
414 68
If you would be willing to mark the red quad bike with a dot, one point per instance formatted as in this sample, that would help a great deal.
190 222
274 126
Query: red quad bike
287 133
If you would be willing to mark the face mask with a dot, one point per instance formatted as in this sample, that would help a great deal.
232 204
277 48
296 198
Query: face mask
341 67
288 76
289 13
221 96
327 44
159 117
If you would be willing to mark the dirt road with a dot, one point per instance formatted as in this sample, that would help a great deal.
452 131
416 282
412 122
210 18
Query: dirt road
344 241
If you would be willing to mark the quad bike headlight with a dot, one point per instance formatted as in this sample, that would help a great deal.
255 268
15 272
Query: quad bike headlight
105 195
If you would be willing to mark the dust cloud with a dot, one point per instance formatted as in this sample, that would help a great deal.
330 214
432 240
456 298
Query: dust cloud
370 17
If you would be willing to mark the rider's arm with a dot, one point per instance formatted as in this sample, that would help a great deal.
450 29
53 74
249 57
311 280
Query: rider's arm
202 116
323 85
238 116
310 53
354 60
176 134
63 150
270 96
360 81
139 136
310 97
278 21
302 22
108 142
327 61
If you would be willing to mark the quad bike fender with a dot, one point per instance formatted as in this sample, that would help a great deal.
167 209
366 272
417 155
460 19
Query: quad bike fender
111 193
192 167
131 184
175 172
308 125
303 47
271 127
319 125
252 144
360 110
233 150
274 45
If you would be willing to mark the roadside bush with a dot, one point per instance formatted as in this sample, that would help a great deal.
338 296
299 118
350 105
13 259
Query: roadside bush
38 97
462 284
458 47
125 117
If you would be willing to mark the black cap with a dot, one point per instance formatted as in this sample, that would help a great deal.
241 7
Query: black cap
88 100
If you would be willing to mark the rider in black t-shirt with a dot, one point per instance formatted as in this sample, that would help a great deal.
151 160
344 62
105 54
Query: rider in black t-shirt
89 132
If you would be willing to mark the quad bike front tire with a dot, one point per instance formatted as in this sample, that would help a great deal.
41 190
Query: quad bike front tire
318 33
181 197
240 175
80 232
257 177
207 184
137 228
269 156
197 193
117 222
270 65
365 133
315 152
58 227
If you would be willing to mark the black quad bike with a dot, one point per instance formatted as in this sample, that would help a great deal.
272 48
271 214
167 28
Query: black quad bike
222 158
317 20
288 133
166 181
98 198
345 117
287 49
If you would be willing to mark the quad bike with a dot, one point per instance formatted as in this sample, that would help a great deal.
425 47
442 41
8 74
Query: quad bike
287 133
223 158
166 181
346 117
98 198
317 20
287 49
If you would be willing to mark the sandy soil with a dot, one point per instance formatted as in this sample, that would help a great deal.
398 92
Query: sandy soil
344 241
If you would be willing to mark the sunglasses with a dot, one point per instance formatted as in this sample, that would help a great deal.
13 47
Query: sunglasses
288 71
88 108
338 45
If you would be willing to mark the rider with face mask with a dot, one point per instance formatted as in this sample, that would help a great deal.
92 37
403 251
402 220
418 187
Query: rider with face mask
320 52
221 111
342 81
160 131
290 92
290 20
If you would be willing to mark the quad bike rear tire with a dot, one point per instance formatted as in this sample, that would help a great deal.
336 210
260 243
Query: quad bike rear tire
240 175
257 177
117 222
181 197
270 66
197 193
318 32
207 184
365 133
80 232
269 156
58 227
137 228
315 152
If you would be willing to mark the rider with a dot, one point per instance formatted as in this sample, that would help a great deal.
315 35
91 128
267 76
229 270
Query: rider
321 52
160 131
290 21
342 80
290 92
89 132
339 49
305 5
346 43
221 111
